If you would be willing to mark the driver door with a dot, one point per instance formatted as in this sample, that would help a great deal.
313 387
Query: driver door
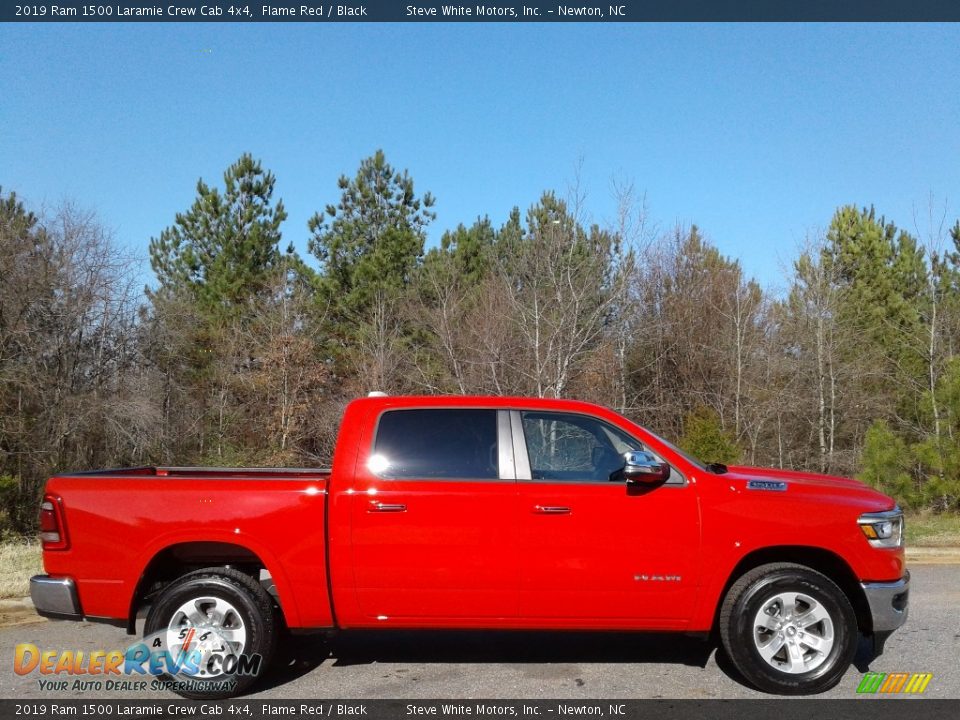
594 551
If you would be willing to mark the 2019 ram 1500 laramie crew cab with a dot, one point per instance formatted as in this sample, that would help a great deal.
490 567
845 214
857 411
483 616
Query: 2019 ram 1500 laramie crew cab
479 512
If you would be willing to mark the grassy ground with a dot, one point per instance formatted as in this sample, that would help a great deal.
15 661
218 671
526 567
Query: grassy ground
19 560
929 530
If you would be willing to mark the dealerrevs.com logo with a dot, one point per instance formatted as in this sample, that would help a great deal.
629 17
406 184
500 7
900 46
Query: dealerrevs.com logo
141 665
894 683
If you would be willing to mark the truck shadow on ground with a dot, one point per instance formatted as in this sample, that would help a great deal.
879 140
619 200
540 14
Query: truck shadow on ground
298 655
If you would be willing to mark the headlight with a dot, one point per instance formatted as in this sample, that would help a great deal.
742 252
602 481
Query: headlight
883 529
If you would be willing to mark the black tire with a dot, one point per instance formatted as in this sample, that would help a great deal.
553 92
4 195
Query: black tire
744 631
249 611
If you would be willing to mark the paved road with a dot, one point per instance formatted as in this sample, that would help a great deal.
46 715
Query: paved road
530 665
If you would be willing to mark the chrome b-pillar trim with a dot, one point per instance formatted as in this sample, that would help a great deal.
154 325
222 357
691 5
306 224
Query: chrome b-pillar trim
520 458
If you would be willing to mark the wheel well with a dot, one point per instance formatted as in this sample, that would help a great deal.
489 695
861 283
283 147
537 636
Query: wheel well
178 560
823 561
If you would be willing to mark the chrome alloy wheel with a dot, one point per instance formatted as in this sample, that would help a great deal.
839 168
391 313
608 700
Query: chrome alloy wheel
210 626
793 632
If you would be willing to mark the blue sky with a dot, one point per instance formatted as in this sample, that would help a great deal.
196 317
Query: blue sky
754 132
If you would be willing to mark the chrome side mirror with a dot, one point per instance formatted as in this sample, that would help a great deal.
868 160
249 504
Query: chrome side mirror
642 468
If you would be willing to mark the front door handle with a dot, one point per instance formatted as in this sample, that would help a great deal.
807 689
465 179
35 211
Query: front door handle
551 510
386 507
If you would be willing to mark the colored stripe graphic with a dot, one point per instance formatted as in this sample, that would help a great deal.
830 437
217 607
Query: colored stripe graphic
918 683
893 683
870 682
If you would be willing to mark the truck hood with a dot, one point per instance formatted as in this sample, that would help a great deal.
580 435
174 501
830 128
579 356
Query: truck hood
808 484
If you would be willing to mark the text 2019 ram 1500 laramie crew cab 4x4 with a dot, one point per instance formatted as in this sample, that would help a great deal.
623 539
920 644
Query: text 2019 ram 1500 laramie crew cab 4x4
478 512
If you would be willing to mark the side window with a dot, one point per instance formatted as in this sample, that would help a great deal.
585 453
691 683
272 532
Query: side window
574 447
437 444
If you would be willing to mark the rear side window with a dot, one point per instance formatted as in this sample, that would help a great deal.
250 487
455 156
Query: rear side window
437 444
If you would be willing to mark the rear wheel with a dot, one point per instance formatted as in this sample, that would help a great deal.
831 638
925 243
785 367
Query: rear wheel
218 629
788 629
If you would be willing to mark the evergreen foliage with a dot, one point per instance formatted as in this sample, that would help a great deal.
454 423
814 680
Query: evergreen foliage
371 241
705 439
223 251
887 462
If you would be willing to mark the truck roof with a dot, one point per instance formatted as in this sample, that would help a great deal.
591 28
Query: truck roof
497 401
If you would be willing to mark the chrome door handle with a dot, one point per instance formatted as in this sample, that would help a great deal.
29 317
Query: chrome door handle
551 510
386 507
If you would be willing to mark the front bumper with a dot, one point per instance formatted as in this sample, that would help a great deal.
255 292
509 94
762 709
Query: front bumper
888 603
55 597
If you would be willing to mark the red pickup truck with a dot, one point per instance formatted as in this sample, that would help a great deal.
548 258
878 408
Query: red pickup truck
476 512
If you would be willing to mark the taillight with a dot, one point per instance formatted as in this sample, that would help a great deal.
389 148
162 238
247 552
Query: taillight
53 532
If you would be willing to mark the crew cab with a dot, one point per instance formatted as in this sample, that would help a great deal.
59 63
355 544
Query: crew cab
479 512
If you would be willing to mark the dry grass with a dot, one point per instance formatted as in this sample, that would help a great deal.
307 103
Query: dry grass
19 560
925 529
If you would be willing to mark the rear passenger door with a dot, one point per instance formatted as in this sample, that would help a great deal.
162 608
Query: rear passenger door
433 518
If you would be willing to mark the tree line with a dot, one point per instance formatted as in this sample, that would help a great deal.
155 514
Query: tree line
240 352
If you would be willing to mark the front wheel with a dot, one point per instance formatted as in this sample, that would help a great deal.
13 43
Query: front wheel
788 629
214 632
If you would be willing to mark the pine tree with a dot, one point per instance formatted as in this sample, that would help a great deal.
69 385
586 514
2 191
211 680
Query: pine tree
469 250
223 251
370 242
218 268
705 439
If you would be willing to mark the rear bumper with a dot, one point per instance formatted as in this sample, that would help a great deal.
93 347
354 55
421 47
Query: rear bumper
55 597
888 603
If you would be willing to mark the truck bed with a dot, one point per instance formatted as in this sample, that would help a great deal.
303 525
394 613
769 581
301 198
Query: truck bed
127 524
259 473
